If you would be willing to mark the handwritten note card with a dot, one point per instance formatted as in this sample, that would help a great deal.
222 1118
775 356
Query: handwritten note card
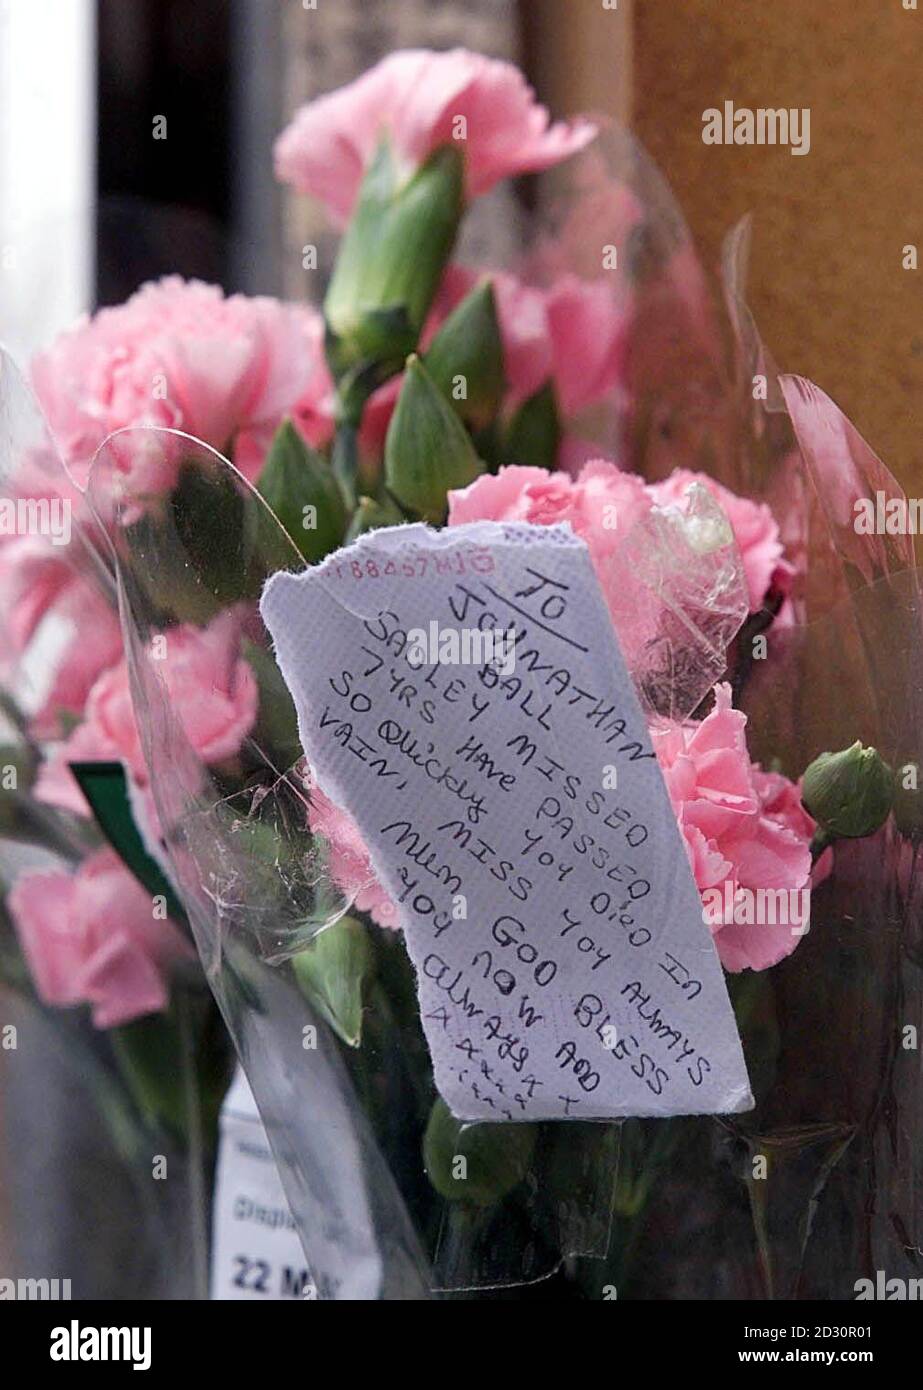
506 788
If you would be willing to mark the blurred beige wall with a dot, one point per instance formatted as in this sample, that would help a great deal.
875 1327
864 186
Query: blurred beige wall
578 53
827 285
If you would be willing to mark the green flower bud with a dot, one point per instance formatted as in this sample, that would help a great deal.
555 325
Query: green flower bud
427 449
301 489
849 793
390 263
465 359
476 1163
334 972
372 515
534 432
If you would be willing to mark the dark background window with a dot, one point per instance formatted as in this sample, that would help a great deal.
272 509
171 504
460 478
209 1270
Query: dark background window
202 201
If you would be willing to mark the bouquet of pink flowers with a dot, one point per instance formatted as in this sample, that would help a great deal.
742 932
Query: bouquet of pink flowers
180 841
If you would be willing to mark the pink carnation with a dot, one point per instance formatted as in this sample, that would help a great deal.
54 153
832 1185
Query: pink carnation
742 827
349 860
92 938
315 408
181 355
88 640
546 499
754 526
417 98
33 578
211 688
34 570
602 493
40 580
601 505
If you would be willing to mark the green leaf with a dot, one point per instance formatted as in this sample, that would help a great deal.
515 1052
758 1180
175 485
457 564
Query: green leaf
466 356
150 1057
161 1055
301 489
534 433
106 789
427 449
334 972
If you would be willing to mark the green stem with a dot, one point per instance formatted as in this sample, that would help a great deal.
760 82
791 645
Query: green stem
822 840
14 715
41 826
126 1129
345 461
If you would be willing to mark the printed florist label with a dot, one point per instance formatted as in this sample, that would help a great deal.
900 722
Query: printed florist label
514 810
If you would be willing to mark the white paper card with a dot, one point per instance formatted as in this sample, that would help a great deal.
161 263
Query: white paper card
256 1252
515 811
